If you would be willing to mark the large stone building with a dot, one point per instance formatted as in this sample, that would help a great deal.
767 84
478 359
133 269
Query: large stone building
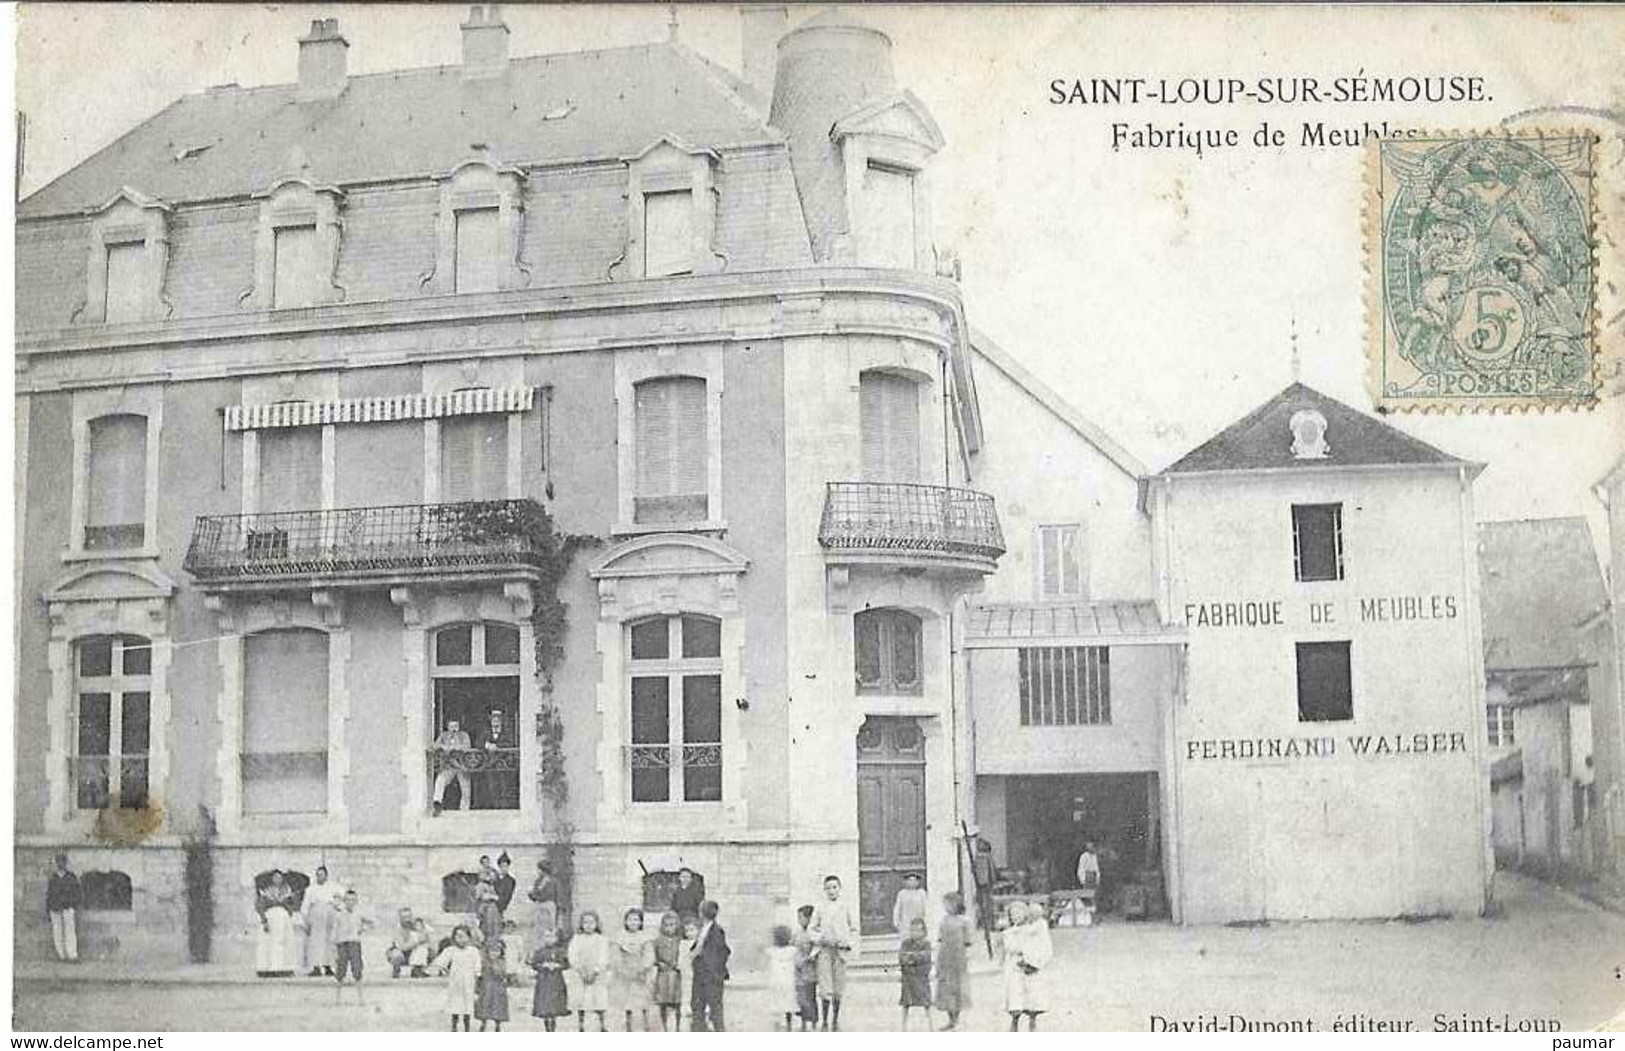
312 377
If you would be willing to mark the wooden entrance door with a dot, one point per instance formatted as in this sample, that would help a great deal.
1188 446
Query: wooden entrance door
891 815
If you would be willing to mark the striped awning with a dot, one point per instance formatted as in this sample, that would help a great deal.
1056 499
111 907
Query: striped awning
380 409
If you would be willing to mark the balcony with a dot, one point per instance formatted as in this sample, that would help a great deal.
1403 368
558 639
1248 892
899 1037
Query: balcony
369 546
474 778
924 527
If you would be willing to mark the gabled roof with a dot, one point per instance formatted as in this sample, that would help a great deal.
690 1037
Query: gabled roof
1046 396
1262 440
1539 579
230 142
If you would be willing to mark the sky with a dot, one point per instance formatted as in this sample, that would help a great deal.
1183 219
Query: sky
1162 293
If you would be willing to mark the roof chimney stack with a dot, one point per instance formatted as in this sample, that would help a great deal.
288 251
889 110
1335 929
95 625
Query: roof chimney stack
323 56
485 42
760 27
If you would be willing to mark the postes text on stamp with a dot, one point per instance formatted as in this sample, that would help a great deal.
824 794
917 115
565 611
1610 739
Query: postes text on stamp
1483 274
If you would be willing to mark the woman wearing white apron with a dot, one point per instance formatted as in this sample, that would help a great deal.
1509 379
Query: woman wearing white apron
274 953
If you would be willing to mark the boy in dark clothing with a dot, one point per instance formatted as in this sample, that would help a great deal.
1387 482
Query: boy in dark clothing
709 964
806 968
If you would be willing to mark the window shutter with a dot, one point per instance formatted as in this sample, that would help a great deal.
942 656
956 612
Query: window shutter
295 267
889 239
290 469
478 250
118 472
125 281
285 722
889 422
672 446
668 233
473 458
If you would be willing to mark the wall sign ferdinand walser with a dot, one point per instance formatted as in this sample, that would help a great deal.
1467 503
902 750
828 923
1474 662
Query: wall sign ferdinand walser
1361 746
1275 613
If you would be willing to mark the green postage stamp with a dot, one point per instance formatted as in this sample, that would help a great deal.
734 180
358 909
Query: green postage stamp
1483 275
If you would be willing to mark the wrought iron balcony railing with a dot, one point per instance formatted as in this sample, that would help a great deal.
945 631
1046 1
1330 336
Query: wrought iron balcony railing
365 540
485 778
901 517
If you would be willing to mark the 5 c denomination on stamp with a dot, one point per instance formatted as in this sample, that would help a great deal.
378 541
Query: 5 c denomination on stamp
1483 272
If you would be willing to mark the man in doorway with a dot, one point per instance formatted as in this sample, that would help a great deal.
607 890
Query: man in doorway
452 739
62 905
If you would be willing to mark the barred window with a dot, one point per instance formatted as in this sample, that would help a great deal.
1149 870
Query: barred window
1500 722
1066 686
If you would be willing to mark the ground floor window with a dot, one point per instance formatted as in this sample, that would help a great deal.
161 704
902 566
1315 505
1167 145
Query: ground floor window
474 757
285 731
1325 692
112 721
675 687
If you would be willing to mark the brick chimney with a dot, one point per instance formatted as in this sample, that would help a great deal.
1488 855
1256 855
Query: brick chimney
760 27
485 42
323 57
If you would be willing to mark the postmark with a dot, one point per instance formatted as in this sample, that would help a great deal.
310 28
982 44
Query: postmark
1481 256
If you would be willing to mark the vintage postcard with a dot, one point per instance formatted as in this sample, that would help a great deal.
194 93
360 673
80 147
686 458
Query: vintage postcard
775 517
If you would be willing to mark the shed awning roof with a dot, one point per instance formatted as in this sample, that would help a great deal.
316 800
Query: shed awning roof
999 626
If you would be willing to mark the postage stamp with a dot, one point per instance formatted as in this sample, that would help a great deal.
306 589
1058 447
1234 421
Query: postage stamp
1482 272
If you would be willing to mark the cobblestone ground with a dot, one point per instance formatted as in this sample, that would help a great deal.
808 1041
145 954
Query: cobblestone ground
1548 957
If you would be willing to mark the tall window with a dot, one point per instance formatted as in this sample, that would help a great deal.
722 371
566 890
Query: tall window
668 233
1325 692
889 420
1065 686
284 747
1060 567
112 728
290 469
676 696
116 505
887 643
126 281
890 208
294 267
671 450
1501 728
473 458
1317 541
478 250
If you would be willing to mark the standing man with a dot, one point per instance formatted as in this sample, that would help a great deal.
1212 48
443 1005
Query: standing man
451 740
709 965
1089 879
62 905
687 896
499 791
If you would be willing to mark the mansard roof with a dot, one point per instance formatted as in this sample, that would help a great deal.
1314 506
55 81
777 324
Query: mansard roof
1262 440
585 105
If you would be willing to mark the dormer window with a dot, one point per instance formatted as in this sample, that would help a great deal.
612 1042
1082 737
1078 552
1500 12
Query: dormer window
480 230
672 214
885 146
129 249
297 250
668 233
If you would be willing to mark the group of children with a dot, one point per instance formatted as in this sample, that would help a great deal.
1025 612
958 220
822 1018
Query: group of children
635 973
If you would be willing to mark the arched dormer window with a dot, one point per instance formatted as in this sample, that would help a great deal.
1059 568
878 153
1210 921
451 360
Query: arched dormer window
479 230
297 249
888 653
129 253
